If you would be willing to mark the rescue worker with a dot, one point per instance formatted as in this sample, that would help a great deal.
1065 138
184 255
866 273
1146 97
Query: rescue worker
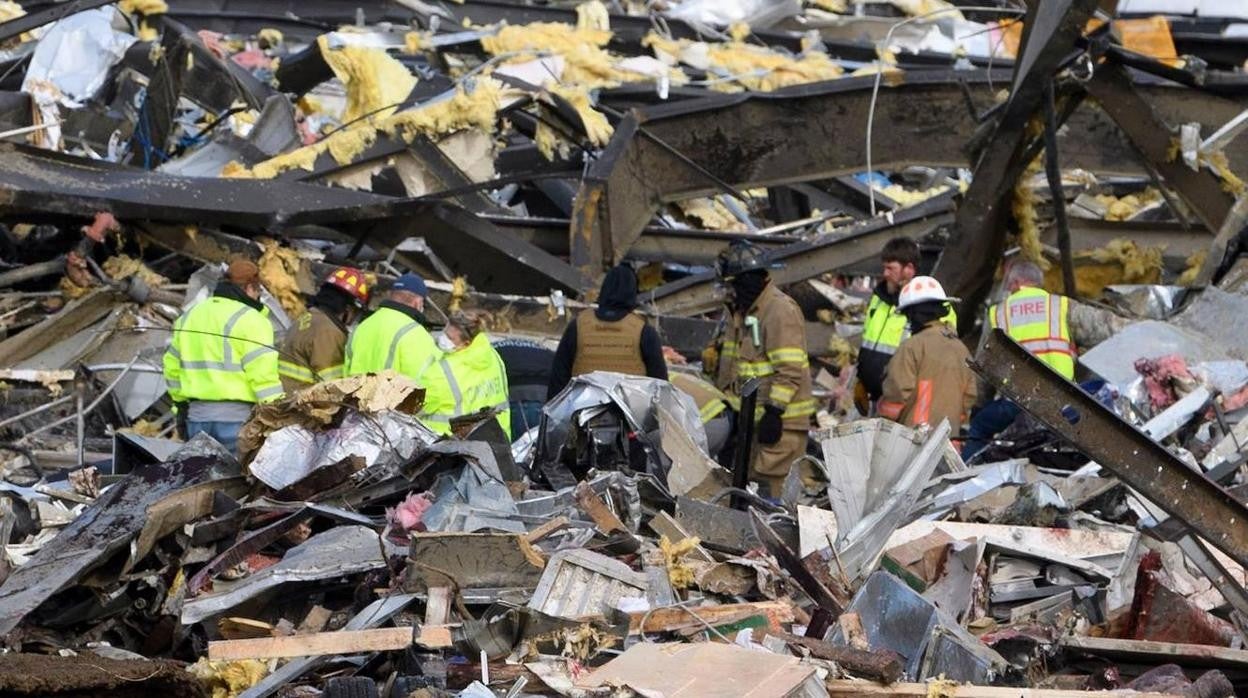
394 336
612 338
714 408
1040 322
221 360
928 379
885 330
314 348
468 378
764 337
528 378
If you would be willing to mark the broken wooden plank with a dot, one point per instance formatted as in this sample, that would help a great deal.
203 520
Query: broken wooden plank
1149 652
546 529
879 665
438 606
592 505
341 642
845 688
680 618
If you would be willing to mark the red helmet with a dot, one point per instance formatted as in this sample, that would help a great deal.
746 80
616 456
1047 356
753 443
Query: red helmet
352 281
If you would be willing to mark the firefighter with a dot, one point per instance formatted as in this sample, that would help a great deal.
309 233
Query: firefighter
395 337
1040 322
764 336
885 330
612 338
221 360
928 379
468 378
313 350
714 408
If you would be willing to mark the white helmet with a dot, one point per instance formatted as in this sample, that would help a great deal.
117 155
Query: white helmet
922 289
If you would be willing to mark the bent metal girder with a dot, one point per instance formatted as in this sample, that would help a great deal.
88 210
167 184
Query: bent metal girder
812 132
1133 457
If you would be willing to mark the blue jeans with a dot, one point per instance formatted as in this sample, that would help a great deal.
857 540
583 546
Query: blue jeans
990 420
226 433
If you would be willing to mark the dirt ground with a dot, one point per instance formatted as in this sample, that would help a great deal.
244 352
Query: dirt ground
89 676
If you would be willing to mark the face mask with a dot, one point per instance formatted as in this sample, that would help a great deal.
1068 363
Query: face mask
444 343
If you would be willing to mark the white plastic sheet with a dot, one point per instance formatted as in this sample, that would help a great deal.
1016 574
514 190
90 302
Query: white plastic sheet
72 60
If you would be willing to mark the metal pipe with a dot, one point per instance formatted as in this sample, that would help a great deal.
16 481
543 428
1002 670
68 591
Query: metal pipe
32 271
94 403
82 424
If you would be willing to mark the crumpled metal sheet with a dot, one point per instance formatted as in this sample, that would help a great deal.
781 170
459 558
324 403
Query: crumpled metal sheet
960 488
876 471
1147 301
73 58
637 399
337 552
473 498
384 440
106 526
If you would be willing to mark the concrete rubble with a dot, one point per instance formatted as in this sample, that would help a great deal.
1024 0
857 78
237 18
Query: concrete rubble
511 152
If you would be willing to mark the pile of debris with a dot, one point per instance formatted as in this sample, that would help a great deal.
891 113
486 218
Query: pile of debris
512 153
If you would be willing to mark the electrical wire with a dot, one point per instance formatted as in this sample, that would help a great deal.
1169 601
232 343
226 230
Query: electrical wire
879 75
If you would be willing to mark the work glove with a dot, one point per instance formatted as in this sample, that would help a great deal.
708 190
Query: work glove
771 426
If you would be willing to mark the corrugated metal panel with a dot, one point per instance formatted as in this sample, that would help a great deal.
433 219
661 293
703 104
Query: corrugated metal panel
580 583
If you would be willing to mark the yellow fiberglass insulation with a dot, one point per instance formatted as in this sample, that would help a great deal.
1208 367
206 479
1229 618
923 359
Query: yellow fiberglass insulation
143 7
124 266
1119 262
1122 208
278 267
711 213
464 109
373 79
753 67
586 63
910 197
678 573
1195 261
228 679
597 128
593 15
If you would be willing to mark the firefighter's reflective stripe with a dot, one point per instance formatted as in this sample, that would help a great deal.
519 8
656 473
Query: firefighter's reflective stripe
754 369
295 371
792 355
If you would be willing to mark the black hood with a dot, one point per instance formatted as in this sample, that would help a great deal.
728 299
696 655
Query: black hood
618 296
881 290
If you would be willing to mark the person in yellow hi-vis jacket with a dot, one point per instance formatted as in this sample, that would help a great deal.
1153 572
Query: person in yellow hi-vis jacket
764 337
928 379
221 360
314 349
468 378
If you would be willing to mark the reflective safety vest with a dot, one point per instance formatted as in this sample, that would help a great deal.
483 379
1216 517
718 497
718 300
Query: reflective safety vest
885 328
1039 321
222 350
465 382
391 339
711 401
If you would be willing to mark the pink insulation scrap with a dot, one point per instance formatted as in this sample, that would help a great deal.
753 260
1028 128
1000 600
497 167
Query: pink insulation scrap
1161 376
409 515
